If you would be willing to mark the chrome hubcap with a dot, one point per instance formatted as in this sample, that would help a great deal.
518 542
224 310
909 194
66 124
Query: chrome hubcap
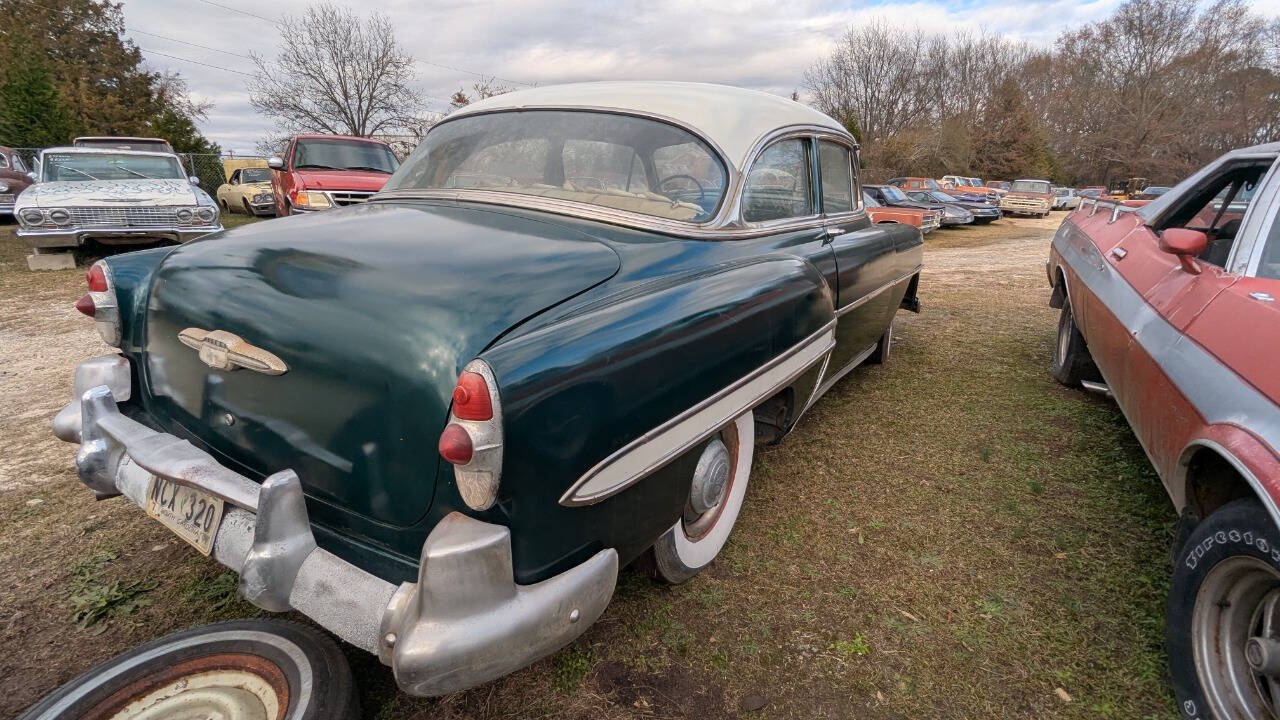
1064 339
213 695
1236 639
711 480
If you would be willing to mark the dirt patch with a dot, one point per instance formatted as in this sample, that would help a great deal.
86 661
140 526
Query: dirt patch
950 535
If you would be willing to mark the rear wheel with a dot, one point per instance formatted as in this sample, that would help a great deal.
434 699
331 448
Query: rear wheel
238 670
715 498
1223 627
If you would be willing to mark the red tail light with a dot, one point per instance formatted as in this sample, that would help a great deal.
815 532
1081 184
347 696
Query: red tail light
471 398
85 305
97 278
472 440
455 445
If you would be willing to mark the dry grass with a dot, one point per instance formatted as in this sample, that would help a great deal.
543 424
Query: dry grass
951 535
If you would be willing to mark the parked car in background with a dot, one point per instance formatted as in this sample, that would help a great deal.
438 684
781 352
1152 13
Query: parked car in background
148 144
915 183
1028 197
926 220
1173 309
13 178
957 184
983 212
1065 198
892 196
319 172
439 422
1151 192
1001 185
1092 192
115 197
248 190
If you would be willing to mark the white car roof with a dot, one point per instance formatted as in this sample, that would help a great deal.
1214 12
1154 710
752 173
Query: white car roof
734 119
105 151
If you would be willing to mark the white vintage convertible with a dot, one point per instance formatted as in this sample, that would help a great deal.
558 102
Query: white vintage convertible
112 197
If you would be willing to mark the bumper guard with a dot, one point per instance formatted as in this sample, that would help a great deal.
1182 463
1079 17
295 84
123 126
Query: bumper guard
463 623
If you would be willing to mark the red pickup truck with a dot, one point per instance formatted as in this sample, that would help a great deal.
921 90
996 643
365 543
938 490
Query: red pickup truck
318 172
1173 308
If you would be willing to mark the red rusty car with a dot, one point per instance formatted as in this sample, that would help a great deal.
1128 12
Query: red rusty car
13 178
879 213
318 172
1174 309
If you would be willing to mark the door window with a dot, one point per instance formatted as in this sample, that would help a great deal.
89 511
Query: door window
1218 208
1270 265
18 164
4 162
778 185
836 176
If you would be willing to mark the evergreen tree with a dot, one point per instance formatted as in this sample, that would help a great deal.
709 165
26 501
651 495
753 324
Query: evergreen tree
32 113
1011 141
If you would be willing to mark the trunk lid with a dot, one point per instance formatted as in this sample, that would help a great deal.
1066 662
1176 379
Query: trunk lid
374 310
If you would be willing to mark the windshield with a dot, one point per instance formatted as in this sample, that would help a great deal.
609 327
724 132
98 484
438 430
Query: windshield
870 201
975 182
893 194
1061 192
84 167
255 175
1030 186
344 155
943 197
615 161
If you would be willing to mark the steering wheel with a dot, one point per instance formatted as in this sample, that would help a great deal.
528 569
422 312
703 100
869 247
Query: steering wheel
702 192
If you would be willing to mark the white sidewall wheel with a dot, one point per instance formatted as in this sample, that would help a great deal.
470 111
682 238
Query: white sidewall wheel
677 557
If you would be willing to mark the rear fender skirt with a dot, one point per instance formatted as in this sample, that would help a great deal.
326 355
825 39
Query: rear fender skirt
1206 394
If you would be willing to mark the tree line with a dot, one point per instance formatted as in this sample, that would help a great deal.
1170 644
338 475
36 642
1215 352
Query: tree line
66 70
1155 90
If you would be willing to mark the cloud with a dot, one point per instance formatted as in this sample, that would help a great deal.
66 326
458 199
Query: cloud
759 44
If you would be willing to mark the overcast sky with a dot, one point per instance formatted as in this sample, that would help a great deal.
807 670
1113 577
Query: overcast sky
761 45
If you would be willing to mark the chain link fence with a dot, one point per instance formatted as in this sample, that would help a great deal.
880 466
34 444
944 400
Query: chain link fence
211 170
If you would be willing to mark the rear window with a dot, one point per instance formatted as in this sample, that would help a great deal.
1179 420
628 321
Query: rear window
605 159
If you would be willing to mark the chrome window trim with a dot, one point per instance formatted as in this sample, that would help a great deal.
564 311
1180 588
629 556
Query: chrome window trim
688 429
1259 219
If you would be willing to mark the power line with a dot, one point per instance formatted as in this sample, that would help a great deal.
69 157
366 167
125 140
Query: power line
186 42
195 62
238 10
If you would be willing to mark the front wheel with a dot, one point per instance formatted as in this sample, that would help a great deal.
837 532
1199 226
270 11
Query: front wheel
880 355
715 498
1222 631
238 670
1071 361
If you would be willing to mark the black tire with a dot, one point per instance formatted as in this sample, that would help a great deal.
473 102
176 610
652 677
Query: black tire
303 662
1228 570
1071 361
225 207
884 346
247 210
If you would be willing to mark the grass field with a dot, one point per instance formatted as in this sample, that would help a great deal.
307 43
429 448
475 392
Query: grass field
951 535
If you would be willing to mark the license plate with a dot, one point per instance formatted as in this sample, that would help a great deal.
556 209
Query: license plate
191 514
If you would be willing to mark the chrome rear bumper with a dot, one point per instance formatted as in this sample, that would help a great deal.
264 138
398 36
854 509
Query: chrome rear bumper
463 623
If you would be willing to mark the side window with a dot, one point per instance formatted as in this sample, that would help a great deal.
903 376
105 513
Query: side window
1270 265
1218 208
234 179
836 176
777 186
4 162
18 164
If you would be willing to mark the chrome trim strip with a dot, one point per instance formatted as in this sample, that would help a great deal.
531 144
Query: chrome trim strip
632 462
865 298
849 366
1217 393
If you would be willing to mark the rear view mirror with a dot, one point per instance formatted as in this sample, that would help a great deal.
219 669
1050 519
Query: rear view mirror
275 163
1186 244
194 180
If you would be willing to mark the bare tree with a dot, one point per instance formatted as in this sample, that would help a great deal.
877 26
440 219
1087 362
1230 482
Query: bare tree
337 73
480 89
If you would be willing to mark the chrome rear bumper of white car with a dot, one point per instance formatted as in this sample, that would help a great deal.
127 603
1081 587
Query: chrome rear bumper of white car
463 623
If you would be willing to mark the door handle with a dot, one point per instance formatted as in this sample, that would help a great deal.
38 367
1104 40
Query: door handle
1119 253
833 231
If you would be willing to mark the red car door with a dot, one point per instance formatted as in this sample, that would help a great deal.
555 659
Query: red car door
1176 300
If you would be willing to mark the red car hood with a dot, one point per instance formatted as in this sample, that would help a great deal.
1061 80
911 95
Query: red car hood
341 179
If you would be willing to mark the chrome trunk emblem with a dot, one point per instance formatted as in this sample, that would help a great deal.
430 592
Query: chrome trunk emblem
222 350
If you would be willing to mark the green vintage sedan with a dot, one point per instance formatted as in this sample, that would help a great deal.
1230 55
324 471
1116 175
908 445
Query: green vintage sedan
437 423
